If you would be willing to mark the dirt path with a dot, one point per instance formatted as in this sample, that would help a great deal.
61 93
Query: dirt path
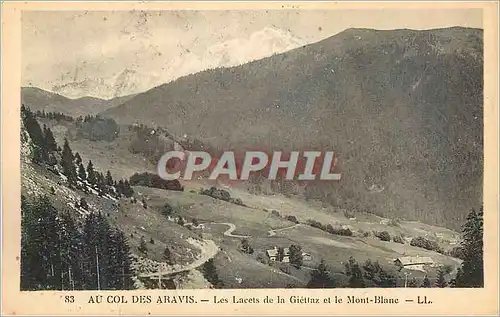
208 251
272 233
229 232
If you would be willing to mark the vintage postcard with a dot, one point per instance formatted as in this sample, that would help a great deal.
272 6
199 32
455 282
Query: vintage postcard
250 158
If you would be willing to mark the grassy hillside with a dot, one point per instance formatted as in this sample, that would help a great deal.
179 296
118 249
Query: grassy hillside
402 109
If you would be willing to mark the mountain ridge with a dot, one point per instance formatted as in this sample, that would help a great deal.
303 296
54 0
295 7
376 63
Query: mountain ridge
340 93
40 99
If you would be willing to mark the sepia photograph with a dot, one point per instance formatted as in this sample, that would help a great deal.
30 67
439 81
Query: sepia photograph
239 148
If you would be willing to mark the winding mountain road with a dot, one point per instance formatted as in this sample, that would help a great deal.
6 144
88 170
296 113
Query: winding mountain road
208 251
272 233
230 230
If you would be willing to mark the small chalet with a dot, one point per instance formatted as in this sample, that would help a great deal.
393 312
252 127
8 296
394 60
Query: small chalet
414 262
273 255
306 256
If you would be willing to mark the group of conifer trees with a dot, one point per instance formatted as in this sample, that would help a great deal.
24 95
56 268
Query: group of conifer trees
58 116
59 254
46 151
43 145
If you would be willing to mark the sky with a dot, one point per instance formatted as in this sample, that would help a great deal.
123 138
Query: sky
111 53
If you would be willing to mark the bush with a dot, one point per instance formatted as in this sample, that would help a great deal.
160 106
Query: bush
155 181
292 219
316 224
83 204
366 234
245 247
348 214
275 213
339 231
330 229
238 201
394 223
262 258
180 221
221 194
383 235
284 268
167 209
427 244
457 252
398 239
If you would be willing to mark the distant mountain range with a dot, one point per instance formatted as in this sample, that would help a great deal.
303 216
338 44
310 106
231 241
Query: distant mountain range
150 68
39 99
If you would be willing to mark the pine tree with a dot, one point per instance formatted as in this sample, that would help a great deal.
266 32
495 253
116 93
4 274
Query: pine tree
374 273
109 179
50 141
295 255
32 127
51 160
471 274
119 270
281 254
41 263
45 147
127 189
441 278
78 159
120 188
101 183
91 176
29 254
67 163
413 283
246 247
81 172
71 250
210 273
38 145
426 283
353 270
84 204
321 278
36 155
167 256
96 251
